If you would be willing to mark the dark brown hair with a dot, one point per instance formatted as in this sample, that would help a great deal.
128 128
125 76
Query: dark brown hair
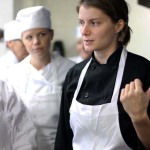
116 10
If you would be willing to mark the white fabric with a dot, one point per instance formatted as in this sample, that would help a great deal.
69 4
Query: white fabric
97 127
76 59
33 17
17 131
11 31
7 60
41 93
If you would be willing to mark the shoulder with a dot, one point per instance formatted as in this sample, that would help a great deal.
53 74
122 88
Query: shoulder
137 64
20 67
137 67
137 59
62 64
62 61
76 59
74 73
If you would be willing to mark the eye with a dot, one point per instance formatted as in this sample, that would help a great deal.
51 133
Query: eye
42 34
95 23
81 23
29 37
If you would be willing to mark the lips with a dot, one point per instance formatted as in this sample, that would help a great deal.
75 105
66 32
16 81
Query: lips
88 42
37 48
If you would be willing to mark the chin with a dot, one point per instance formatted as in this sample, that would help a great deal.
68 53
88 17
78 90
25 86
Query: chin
87 49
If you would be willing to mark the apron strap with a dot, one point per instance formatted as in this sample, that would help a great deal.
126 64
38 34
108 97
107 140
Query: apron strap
119 75
82 75
118 78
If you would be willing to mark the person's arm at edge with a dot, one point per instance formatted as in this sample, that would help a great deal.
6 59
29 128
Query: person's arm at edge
23 130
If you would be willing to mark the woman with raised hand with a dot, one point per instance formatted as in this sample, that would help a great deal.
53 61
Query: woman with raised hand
95 114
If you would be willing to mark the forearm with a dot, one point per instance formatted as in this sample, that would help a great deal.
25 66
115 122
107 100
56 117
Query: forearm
142 128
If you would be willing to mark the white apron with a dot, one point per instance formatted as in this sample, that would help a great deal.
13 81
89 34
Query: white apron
44 108
97 127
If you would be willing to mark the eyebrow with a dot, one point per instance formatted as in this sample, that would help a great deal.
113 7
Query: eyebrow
92 19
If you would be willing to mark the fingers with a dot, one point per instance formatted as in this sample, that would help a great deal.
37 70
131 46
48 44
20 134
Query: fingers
135 85
138 85
131 88
122 94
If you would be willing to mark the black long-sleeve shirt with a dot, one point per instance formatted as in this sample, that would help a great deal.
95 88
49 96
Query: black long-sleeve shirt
97 88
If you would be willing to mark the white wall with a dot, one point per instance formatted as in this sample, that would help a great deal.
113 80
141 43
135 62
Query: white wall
64 17
139 21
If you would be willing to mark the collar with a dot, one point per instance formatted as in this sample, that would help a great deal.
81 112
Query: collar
113 59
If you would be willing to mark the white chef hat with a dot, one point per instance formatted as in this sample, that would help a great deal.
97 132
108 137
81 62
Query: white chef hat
78 33
34 17
11 31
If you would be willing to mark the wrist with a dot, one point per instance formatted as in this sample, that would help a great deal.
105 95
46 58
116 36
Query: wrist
141 119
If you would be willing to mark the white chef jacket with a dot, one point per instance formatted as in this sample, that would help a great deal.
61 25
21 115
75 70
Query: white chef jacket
17 131
41 93
76 59
7 60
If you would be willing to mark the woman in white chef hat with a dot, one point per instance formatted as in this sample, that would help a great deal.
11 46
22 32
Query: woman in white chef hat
38 79
17 131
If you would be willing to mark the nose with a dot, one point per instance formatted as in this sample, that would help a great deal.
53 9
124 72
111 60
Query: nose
85 30
36 40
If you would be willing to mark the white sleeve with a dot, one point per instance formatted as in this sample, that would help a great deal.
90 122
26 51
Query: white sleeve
19 124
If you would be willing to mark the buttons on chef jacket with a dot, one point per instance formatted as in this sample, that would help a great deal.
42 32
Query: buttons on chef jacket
114 67
93 66
86 95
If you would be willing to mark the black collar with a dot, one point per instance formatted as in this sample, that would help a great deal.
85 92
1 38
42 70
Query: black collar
113 59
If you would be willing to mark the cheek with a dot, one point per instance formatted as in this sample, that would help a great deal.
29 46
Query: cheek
101 35
106 32
27 46
47 43
105 37
20 44
23 47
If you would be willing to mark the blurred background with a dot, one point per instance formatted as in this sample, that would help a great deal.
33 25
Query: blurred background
65 20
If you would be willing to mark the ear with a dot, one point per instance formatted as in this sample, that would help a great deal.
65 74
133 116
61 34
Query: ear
120 25
9 44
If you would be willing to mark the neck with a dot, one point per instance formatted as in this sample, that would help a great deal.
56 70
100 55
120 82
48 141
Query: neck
103 55
40 63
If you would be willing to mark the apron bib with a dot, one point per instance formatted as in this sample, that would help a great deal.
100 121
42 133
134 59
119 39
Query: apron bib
97 127
44 109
